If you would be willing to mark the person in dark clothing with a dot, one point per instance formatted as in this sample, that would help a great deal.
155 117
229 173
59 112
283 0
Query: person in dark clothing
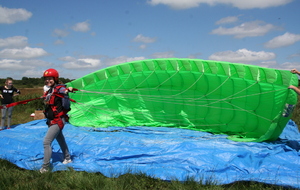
7 93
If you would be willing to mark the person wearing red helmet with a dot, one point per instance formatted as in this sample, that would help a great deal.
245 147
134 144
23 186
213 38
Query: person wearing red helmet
56 114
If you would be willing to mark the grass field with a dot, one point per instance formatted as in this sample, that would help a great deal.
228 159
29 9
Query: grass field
21 113
15 178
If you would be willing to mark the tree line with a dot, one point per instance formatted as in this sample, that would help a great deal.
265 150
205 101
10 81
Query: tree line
27 82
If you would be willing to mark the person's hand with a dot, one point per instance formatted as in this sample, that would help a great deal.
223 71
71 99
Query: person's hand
292 87
297 90
1 96
295 71
69 89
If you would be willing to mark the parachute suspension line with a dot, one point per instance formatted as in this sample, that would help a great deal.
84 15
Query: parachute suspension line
77 105
123 82
106 79
190 85
189 99
237 108
153 98
169 78
253 94
93 92
161 99
214 89
249 112
143 80
104 112
176 119
89 108
233 94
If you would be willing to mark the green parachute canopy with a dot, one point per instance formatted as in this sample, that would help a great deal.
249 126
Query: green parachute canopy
247 102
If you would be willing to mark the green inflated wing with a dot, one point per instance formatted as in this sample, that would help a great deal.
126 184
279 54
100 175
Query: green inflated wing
249 103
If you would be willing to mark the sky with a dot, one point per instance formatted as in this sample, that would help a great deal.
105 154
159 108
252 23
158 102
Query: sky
79 37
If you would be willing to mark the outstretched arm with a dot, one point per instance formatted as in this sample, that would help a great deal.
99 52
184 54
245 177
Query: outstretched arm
297 90
295 71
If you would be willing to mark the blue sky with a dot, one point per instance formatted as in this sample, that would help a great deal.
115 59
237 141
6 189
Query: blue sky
78 37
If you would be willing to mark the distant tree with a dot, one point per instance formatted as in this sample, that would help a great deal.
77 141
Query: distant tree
24 80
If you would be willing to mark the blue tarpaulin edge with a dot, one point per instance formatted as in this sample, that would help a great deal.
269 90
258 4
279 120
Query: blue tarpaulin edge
160 152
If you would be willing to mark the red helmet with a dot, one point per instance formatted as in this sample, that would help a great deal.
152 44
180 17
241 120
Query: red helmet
51 73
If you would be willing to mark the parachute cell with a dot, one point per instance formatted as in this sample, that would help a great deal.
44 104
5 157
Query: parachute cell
247 102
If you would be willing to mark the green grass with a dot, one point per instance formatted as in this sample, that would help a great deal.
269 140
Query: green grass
15 178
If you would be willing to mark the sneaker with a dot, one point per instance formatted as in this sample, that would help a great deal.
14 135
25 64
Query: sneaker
67 161
44 170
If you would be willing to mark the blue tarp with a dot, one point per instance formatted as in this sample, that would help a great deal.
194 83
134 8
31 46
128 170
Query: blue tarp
160 152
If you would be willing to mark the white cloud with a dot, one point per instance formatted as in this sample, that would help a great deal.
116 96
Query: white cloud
166 54
7 64
186 4
59 42
177 4
144 39
288 66
143 46
25 53
36 62
60 33
247 29
252 4
294 55
13 42
242 56
81 26
269 64
121 59
68 58
10 16
13 64
194 55
19 68
84 63
33 73
226 20
286 39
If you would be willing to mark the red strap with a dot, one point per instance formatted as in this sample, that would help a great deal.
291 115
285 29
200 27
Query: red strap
18 103
74 89
62 96
26 101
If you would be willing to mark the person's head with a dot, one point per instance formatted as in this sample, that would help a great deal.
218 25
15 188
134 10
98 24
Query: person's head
9 82
51 77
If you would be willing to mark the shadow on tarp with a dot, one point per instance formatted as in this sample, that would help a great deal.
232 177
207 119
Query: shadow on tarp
160 152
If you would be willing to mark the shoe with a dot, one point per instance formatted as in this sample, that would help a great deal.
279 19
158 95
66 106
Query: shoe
67 161
44 170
